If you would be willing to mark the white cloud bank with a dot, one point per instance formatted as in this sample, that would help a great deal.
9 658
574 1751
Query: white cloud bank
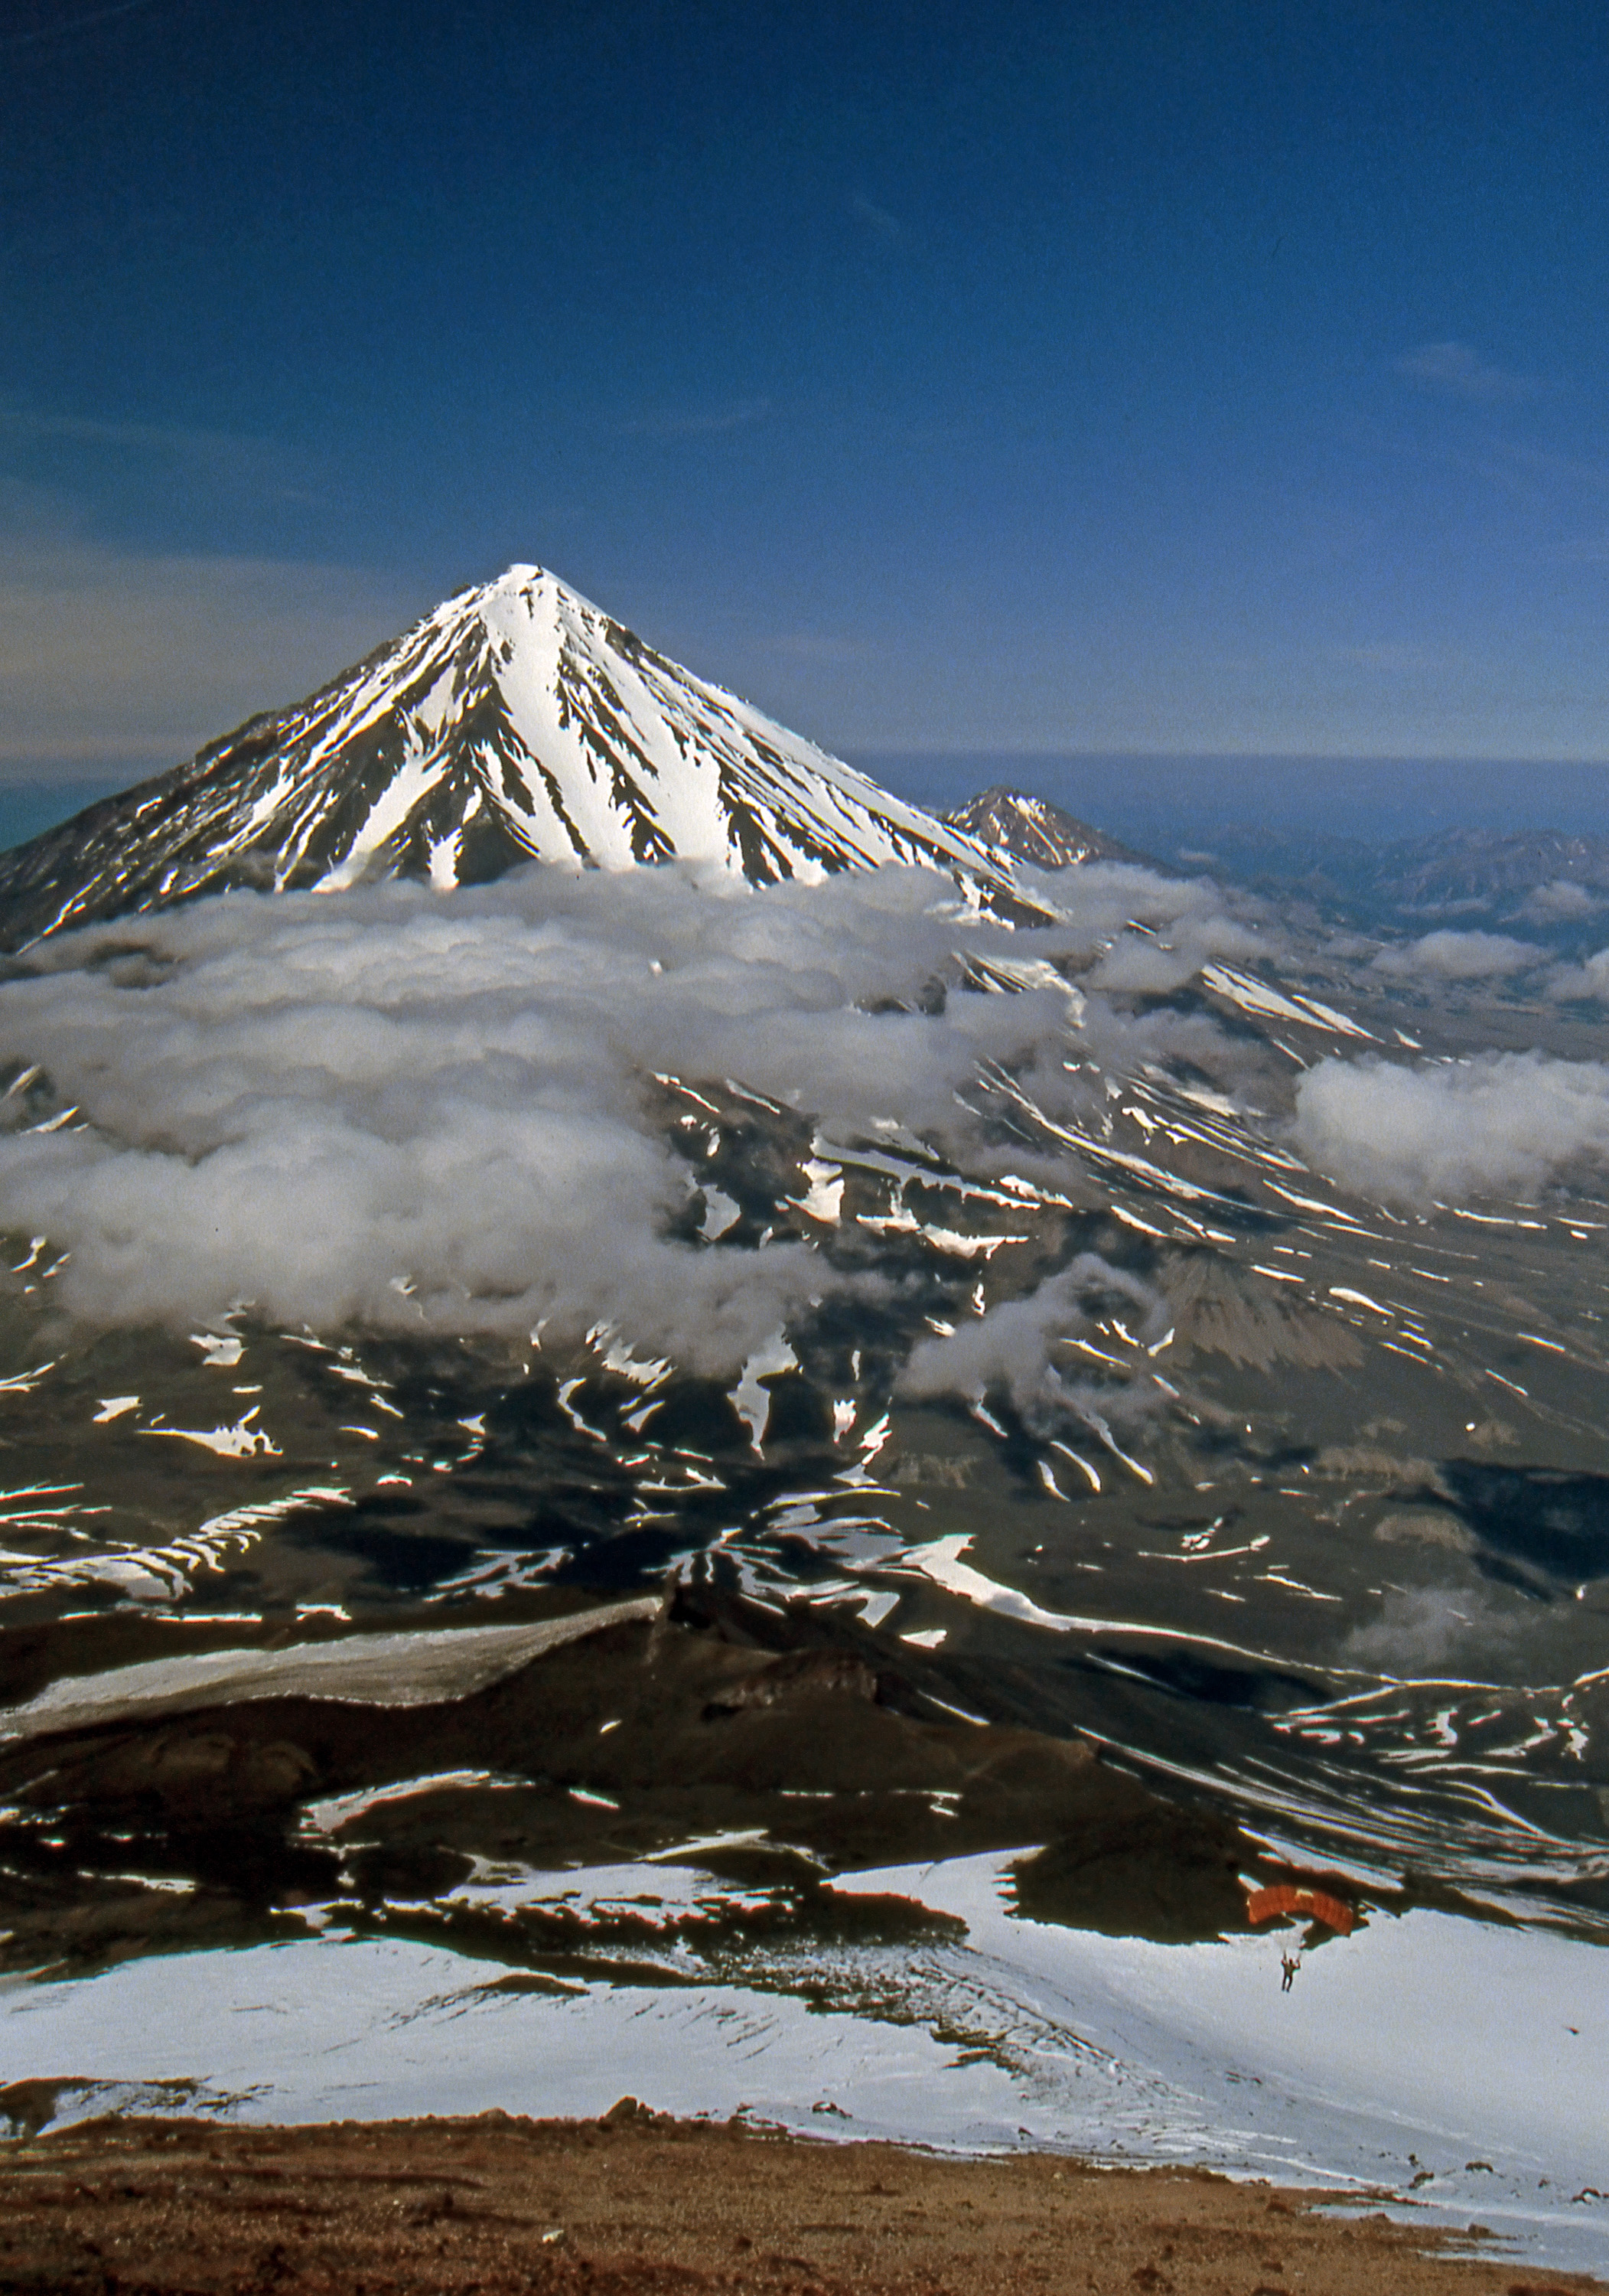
305 1101
1502 1123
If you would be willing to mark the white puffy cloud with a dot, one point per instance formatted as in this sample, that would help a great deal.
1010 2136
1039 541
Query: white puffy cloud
308 1101
1562 902
1460 957
1155 965
1015 1345
1501 1123
1590 978
1148 935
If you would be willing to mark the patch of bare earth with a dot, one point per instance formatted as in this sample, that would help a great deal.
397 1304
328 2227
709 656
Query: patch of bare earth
638 2202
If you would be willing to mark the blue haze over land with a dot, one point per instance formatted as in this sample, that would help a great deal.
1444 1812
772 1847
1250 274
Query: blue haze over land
1167 804
1176 807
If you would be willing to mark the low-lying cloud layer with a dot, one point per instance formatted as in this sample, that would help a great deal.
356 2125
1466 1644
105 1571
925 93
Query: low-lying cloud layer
418 1110
1460 957
1501 1123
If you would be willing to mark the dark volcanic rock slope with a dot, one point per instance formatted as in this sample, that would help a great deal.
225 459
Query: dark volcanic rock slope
515 723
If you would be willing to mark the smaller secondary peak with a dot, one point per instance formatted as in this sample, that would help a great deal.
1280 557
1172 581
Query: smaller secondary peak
1014 825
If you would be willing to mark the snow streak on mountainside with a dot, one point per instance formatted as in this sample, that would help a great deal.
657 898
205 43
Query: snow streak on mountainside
516 722
1012 826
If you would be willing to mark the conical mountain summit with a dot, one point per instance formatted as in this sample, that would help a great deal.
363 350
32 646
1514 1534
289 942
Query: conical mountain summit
516 722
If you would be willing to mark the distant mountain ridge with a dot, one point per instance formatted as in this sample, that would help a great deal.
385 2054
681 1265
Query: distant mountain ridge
1453 873
1012 826
1461 865
516 722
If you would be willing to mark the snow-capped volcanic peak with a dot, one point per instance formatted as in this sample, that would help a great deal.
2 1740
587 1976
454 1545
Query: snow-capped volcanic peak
516 722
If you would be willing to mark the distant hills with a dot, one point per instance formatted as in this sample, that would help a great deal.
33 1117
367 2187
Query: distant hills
1476 874
1480 867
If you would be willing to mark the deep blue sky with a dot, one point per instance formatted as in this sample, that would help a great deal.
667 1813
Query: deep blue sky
1004 378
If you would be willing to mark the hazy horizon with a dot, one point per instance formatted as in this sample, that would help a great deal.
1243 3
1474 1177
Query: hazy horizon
1143 800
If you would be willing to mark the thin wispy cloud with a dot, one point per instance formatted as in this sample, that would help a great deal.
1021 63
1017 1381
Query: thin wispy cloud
879 222
85 429
264 466
1539 479
698 422
1536 474
1397 654
128 658
815 645
1459 370
85 20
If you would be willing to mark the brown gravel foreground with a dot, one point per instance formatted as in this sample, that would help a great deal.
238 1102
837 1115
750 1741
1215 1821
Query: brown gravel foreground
638 2202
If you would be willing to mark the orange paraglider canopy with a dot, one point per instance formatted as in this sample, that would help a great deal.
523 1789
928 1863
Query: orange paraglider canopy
1317 1905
